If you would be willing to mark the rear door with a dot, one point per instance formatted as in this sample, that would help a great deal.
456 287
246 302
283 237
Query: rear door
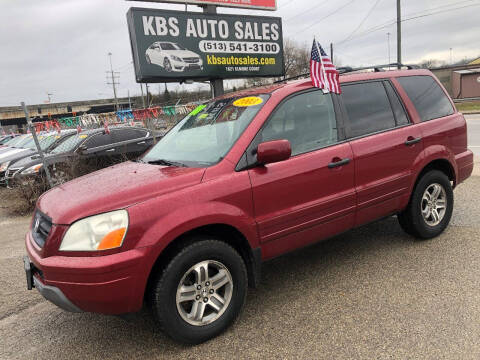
311 195
385 144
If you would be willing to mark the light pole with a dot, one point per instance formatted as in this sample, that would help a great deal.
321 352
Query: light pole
113 83
388 40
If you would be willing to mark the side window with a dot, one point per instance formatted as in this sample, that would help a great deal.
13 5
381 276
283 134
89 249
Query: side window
399 111
99 139
119 135
368 108
427 96
306 120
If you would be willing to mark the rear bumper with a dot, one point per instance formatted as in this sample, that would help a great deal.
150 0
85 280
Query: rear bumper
464 165
111 284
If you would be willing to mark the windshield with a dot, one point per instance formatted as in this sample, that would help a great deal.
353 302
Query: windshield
69 144
205 135
13 141
168 46
22 141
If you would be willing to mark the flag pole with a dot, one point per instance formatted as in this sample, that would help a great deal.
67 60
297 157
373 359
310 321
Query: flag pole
324 75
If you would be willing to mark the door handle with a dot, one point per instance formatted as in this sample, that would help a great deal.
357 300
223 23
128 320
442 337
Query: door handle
110 150
412 141
141 143
338 163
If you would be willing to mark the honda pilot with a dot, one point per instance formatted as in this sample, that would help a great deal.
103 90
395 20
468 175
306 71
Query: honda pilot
242 179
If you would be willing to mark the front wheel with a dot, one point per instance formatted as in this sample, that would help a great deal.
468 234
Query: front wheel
167 65
430 208
200 292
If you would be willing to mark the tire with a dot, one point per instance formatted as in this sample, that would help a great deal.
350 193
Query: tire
167 65
172 314
436 213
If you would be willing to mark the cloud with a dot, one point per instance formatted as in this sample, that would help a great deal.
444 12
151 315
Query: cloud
61 47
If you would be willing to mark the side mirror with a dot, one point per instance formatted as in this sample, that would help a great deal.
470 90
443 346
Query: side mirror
273 151
82 149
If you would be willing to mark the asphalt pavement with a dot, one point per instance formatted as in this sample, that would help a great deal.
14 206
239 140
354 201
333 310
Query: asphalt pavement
473 124
371 293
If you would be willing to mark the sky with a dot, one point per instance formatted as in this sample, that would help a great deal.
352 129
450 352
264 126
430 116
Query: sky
60 47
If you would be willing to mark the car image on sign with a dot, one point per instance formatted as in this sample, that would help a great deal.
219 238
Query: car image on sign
173 57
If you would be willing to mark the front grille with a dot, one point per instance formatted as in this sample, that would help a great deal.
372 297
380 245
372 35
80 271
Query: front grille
10 173
41 228
191 60
193 67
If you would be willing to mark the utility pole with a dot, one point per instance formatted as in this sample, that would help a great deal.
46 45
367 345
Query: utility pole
399 34
331 52
113 83
451 58
217 84
148 97
143 97
129 101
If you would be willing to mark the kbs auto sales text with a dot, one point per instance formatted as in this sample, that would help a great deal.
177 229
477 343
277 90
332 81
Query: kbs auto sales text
211 28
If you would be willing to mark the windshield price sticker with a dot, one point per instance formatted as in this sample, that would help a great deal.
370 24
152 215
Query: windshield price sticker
248 101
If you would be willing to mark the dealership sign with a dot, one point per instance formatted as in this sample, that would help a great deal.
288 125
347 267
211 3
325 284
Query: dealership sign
252 4
175 45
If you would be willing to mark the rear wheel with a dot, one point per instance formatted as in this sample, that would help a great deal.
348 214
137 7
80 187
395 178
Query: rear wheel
430 208
200 292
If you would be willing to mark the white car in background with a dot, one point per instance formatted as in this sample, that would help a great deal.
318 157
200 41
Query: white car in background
173 57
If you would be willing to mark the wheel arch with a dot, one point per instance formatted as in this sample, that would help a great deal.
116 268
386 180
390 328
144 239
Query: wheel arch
221 231
443 165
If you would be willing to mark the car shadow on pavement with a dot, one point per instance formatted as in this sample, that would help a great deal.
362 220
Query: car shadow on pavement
310 275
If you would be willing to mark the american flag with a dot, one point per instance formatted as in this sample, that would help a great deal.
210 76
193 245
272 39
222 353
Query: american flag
323 73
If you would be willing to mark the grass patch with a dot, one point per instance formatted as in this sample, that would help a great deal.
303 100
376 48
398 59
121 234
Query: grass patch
468 106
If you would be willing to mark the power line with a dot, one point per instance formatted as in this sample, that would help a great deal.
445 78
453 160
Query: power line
389 23
316 6
326 16
364 19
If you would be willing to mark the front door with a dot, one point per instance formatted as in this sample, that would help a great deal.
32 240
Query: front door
311 195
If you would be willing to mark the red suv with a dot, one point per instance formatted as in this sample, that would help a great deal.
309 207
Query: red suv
242 179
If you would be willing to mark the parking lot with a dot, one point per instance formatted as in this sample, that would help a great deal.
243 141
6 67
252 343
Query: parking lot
371 293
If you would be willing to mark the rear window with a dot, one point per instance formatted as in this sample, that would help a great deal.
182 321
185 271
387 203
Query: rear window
368 108
427 96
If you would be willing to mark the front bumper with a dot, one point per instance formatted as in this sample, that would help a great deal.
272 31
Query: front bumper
110 284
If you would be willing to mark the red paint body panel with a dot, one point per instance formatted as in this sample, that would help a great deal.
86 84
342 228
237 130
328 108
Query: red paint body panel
277 208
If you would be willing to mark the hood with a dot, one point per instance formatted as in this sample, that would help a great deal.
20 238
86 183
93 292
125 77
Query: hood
11 152
34 159
114 188
16 156
181 53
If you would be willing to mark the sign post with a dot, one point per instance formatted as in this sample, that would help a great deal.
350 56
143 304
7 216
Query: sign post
216 84
37 144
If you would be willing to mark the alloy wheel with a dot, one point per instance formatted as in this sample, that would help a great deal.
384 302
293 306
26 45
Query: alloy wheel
434 204
204 292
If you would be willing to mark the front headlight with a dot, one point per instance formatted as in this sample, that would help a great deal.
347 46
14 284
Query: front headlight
98 232
176 58
32 169
4 166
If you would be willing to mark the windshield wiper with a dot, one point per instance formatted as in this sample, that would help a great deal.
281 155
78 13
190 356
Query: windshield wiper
166 162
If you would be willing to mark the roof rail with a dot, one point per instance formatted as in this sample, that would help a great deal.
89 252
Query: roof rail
348 69
376 68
